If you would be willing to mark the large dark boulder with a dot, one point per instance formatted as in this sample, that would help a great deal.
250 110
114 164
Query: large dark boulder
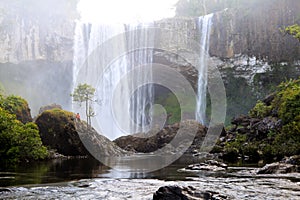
160 138
185 193
59 130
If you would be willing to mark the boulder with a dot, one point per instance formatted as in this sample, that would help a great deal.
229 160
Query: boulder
269 98
18 106
287 165
278 168
157 139
60 131
50 107
185 193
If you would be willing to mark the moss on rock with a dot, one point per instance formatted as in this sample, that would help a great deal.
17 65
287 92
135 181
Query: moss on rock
272 131
18 106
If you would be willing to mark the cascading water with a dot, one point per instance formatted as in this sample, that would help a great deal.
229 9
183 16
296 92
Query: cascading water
204 23
87 69
143 98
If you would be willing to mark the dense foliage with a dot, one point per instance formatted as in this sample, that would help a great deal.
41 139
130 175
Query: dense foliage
277 133
293 30
16 105
18 141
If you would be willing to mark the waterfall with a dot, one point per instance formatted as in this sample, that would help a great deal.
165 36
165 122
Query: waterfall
106 79
204 23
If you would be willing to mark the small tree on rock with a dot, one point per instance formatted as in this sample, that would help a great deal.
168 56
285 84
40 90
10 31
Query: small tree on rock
85 93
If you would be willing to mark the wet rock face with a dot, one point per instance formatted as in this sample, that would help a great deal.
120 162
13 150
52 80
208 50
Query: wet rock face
185 193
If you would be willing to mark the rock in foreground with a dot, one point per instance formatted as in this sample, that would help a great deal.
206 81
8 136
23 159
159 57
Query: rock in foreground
185 193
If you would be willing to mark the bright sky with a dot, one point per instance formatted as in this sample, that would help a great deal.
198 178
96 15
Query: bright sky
125 11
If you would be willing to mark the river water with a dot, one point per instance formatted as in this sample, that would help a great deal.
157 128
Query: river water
88 179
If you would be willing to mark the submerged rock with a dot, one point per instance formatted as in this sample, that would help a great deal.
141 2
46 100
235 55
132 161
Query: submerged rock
208 165
185 193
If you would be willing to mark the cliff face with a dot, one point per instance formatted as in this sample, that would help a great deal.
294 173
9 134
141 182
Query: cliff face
28 33
36 49
246 45
255 31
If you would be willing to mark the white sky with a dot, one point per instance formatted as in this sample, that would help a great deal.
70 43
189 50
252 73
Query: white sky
125 11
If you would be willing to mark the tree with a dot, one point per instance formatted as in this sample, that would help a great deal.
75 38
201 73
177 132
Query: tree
85 93
293 30
18 141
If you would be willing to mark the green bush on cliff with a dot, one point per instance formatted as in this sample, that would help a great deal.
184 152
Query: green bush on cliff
18 141
260 110
275 143
287 105
287 100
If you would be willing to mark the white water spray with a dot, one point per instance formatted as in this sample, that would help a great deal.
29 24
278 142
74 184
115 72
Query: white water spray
87 69
204 23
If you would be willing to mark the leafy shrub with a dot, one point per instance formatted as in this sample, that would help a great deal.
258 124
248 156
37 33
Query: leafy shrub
19 142
260 110
287 100
16 105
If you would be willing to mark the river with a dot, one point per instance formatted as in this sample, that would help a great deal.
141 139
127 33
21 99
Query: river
88 179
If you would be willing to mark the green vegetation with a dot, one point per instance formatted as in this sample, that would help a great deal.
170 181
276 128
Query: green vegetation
267 142
62 119
18 141
85 93
173 107
293 30
16 105
260 110
287 101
